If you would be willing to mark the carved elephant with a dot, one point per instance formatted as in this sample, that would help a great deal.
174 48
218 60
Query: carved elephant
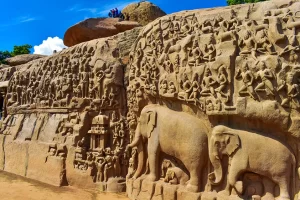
252 152
177 134
175 176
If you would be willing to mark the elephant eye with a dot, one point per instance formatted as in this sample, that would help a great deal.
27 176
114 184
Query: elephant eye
217 144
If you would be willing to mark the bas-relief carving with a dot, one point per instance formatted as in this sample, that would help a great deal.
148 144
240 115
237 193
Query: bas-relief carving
74 99
191 72
211 109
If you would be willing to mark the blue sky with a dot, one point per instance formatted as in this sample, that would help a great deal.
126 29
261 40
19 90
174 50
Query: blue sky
32 21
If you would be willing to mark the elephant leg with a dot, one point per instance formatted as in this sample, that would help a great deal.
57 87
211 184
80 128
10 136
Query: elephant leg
232 177
284 188
153 156
268 188
195 173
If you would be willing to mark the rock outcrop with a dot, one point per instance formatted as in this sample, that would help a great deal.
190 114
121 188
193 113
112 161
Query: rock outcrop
65 116
23 59
201 104
94 28
142 12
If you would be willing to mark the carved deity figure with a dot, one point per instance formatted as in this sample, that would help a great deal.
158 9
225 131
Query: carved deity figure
209 50
100 168
85 80
248 79
195 54
223 81
266 77
249 44
263 43
208 83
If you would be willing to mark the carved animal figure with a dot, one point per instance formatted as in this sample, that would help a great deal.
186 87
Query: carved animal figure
175 176
251 152
181 135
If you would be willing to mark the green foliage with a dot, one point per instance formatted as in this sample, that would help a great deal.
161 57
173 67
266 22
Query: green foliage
3 56
234 2
18 50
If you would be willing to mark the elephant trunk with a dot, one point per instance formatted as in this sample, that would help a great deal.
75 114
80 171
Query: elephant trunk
137 142
141 161
137 138
215 177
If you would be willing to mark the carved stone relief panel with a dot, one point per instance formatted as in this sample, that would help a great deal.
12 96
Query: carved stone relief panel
208 90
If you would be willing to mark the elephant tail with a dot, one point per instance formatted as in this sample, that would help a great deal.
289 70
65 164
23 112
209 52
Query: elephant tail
141 160
294 179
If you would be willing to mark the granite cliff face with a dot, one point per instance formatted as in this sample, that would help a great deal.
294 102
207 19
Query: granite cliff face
135 15
143 12
200 104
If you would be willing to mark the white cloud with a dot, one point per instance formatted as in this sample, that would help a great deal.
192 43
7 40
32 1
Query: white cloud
25 19
49 45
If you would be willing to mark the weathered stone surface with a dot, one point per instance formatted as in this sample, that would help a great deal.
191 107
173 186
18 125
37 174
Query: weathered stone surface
23 59
94 28
228 74
52 116
205 106
16 161
142 12
44 167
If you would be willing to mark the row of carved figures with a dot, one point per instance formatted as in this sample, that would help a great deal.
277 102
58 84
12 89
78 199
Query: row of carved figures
57 91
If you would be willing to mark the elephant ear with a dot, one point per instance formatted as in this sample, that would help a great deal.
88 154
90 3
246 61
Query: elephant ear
173 175
233 142
151 122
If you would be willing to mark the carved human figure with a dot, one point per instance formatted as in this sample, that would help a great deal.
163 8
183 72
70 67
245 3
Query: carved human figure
293 90
249 44
186 85
131 169
195 88
208 83
266 77
167 65
108 168
85 80
172 88
195 54
263 43
177 64
116 164
163 89
100 169
223 81
247 78
209 50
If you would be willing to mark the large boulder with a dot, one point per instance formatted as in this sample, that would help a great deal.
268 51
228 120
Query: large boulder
142 12
94 28
23 59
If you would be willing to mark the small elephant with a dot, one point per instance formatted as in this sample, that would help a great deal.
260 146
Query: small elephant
177 134
176 176
252 152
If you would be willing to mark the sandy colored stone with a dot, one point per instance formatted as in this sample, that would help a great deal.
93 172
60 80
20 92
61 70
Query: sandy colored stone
23 59
200 104
94 28
143 12
43 167
32 190
16 161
